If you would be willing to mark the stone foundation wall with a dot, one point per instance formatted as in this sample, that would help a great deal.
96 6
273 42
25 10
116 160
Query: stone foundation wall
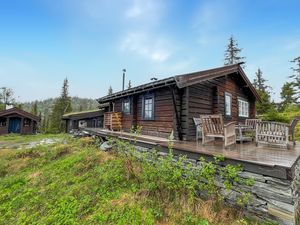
272 199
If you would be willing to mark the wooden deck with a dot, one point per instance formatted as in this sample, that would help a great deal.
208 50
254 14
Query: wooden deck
256 158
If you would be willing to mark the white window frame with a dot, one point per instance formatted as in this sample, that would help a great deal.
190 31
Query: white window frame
243 105
228 105
126 106
147 107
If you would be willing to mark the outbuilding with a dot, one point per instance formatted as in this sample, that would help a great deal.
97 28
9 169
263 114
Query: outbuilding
18 121
77 120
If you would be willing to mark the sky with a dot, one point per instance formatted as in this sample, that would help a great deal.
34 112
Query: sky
90 41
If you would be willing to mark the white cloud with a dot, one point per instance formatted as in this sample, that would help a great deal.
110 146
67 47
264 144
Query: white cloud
148 46
211 18
145 10
134 11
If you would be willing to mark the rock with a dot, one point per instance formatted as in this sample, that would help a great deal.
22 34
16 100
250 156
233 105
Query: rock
275 181
284 212
268 194
105 146
256 177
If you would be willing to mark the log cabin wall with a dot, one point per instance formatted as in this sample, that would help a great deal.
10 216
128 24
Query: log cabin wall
27 128
4 128
162 125
209 98
127 119
163 122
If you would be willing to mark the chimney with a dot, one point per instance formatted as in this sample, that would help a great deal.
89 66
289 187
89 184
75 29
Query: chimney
123 87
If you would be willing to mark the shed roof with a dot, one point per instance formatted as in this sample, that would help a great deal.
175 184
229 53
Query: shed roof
185 80
20 112
83 114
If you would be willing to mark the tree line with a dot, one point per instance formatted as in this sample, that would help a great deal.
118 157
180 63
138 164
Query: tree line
49 110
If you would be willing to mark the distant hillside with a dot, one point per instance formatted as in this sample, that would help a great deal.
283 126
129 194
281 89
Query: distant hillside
45 106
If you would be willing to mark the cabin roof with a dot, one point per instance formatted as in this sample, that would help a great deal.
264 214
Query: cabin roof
83 114
185 80
20 112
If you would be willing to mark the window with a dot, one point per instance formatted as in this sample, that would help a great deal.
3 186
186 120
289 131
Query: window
27 122
148 107
243 108
228 104
2 122
126 106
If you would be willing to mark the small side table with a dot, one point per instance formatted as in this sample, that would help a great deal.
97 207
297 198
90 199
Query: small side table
240 130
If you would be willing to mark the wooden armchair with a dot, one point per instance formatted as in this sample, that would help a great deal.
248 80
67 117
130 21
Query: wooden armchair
213 126
198 125
292 128
272 133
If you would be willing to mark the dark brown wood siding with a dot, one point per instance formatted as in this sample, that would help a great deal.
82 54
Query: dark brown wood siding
163 122
25 129
209 98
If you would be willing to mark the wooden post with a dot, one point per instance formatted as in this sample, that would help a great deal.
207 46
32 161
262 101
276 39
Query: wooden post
176 114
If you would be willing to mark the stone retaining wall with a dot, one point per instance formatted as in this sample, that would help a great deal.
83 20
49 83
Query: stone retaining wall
272 198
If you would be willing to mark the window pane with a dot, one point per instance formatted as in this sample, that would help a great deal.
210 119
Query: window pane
243 108
227 104
126 106
148 108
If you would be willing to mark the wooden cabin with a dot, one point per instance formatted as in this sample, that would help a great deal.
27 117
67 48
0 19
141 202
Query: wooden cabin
84 119
170 104
18 121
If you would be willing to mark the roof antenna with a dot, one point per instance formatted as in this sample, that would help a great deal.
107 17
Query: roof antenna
154 79
123 87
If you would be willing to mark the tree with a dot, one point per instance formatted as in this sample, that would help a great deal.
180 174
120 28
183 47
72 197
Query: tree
34 109
232 53
129 84
259 82
6 97
110 90
61 106
264 92
296 77
287 95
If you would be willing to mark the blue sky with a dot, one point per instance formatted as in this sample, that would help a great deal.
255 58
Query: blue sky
91 41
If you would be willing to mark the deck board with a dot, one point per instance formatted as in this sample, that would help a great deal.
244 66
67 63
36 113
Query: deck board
246 152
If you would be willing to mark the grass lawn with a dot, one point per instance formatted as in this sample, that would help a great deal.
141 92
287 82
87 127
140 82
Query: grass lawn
75 183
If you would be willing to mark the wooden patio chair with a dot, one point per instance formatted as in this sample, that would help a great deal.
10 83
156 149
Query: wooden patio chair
213 126
272 133
198 124
292 128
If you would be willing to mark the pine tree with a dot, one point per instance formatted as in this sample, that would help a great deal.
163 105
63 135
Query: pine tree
296 77
110 90
259 82
264 92
129 84
61 106
34 109
287 95
232 53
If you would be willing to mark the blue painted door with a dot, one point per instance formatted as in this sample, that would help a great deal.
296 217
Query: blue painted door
14 125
